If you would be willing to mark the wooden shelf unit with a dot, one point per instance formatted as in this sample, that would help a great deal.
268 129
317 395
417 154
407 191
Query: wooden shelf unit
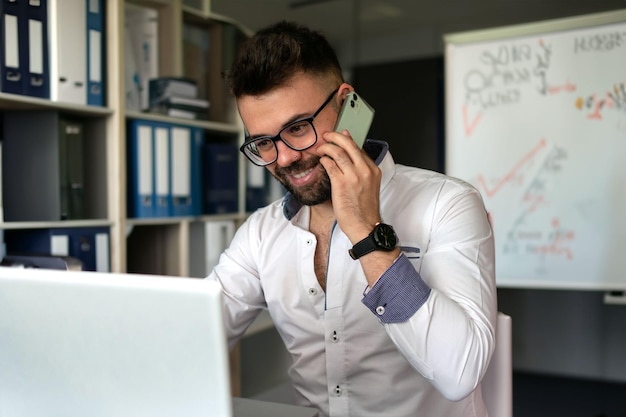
156 245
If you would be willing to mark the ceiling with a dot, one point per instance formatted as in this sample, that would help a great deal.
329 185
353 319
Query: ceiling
343 21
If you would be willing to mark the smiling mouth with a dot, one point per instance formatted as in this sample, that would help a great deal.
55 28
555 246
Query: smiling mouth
302 174
297 173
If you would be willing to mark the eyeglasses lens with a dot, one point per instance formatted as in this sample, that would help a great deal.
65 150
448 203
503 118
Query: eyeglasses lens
298 136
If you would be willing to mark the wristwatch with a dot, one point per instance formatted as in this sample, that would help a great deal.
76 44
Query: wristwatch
383 237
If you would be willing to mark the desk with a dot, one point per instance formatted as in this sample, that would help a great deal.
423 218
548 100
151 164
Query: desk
245 407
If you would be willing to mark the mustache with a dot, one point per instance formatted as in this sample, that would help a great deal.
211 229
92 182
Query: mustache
298 166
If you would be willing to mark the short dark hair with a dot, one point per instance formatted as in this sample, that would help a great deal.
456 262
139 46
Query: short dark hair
275 54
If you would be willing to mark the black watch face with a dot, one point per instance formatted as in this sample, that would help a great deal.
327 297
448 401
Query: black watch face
385 237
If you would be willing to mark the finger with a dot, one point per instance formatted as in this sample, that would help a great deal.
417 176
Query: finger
356 153
341 147
339 156
330 166
341 139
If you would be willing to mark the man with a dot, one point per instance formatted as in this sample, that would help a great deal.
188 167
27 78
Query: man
403 327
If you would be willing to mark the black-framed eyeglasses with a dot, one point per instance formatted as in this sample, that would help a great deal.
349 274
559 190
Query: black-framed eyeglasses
298 135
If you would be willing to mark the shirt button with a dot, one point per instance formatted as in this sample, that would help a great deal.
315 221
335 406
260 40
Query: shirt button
312 291
380 310
334 336
338 391
309 242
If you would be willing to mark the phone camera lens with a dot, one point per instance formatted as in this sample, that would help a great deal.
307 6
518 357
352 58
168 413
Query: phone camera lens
352 103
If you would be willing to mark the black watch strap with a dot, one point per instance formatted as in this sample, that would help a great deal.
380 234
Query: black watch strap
363 247
383 237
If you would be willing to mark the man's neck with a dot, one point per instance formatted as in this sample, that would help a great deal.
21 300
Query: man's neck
322 213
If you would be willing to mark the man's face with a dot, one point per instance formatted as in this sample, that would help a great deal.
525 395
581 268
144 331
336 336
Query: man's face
299 171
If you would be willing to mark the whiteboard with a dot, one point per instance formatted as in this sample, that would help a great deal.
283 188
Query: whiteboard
536 120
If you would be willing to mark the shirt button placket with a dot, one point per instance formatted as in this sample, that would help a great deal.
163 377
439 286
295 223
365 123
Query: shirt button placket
335 359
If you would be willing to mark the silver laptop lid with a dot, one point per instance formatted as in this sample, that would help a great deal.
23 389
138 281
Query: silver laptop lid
75 343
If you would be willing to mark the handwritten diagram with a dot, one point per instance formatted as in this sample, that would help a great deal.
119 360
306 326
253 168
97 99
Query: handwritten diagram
508 177
503 73
537 124
521 235
595 104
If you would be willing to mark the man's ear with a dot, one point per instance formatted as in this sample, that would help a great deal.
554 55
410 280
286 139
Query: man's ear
344 89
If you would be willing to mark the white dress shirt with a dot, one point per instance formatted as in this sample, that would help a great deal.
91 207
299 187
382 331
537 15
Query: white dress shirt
418 342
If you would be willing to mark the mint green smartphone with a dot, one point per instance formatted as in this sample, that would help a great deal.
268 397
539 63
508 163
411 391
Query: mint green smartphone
356 117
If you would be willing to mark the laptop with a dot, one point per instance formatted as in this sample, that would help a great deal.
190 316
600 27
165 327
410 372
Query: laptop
77 343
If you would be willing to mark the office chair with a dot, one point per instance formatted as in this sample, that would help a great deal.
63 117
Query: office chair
497 384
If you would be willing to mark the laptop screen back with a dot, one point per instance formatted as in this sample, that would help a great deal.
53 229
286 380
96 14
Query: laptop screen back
75 343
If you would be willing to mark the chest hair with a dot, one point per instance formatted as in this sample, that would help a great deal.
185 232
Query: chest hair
322 233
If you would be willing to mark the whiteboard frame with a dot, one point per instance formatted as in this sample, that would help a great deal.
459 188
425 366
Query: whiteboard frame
521 30
535 28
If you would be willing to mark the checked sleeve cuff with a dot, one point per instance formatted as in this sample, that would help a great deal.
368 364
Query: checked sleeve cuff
398 293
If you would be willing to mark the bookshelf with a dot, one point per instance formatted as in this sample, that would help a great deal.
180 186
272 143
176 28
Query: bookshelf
164 245
159 245
101 124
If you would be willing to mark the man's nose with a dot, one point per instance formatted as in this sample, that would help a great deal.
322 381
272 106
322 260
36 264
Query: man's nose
286 155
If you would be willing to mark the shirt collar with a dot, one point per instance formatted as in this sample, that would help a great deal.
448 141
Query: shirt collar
376 149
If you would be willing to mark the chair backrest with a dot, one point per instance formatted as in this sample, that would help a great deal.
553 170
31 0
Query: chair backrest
497 384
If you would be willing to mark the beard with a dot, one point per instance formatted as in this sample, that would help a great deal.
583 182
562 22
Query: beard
310 194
